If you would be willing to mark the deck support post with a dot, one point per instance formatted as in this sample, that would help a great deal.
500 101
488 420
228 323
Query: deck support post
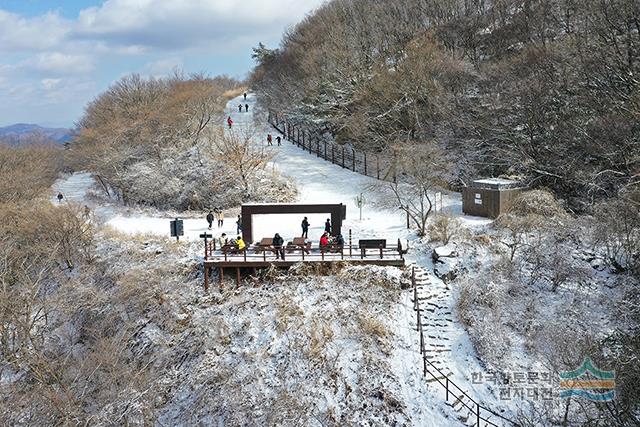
206 278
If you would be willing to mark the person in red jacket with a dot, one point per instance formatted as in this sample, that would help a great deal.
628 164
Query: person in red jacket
269 139
324 240
229 122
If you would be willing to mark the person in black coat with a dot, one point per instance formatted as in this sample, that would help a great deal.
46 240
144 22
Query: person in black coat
210 219
327 226
278 244
305 228
279 140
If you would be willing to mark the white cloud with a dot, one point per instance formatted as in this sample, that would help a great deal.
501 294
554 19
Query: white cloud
49 84
61 63
38 33
180 24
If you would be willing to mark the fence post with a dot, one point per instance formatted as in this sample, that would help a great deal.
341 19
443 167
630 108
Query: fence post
446 388
353 151
381 256
333 155
350 254
477 414
343 156
378 166
325 150
206 278
365 163
318 147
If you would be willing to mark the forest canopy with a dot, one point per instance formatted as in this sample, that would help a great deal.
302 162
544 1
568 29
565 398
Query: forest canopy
543 90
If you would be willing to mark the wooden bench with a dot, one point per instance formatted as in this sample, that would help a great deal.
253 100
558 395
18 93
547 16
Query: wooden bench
232 249
266 244
365 244
299 243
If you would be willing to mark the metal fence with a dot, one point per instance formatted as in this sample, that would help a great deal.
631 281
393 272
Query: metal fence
373 165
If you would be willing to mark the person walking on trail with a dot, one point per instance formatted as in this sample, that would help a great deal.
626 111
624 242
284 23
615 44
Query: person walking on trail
210 219
279 140
327 226
220 218
60 197
245 96
240 108
246 108
269 140
239 224
278 244
305 228
229 122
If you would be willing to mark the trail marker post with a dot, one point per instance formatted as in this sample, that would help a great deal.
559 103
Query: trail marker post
177 228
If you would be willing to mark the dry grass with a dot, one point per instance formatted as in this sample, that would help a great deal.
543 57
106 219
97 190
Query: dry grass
537 202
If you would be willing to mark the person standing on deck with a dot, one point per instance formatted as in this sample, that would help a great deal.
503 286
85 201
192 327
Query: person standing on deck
210 219
327 226
278 244
222 240
239 225
305 228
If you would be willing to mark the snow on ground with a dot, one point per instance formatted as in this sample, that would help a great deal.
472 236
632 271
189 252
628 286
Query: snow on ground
319 181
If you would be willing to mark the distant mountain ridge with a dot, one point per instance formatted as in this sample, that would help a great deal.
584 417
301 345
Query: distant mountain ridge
21 133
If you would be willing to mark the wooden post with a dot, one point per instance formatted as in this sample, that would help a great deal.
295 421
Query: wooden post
365 163
421 337
318 147
381 256
244 254
221 276
264 256
350 254
237 277
206 278
446 389
424 366
378 166
343 156
322 253
325 150
333 154
303 139
353 160
477 414
408 222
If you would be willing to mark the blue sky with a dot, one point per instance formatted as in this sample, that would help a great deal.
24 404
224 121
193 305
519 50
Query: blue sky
55 56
